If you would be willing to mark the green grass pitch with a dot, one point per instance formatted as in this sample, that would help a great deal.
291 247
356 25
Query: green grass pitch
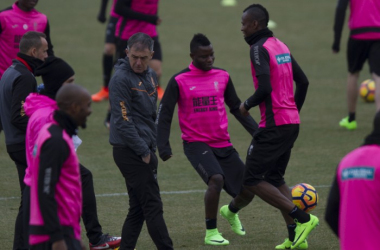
305 26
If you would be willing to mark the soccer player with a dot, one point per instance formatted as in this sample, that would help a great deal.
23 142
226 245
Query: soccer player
273 70
109 48
133 99
363 44
201 91
56 196
353 202
15 21
16 84
139 16
55 73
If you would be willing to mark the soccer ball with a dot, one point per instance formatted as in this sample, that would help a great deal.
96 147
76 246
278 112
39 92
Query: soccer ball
305 197
367 90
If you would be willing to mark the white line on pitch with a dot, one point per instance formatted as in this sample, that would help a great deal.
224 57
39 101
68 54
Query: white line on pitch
162 192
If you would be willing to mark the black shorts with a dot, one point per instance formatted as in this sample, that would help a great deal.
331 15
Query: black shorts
208 161
110 30
121 45
269 154
358 51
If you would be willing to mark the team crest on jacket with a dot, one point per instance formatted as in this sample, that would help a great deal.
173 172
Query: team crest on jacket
35 150
216 85
283 58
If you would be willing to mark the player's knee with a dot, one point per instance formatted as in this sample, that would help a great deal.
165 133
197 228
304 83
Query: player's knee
158 72
216 181
109 49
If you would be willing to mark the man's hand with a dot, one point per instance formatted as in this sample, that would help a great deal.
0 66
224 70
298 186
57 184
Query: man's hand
243 111
59 245
146 159
159 21
167 157
102 18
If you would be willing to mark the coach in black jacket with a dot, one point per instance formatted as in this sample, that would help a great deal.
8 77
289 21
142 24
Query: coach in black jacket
133 99
16 84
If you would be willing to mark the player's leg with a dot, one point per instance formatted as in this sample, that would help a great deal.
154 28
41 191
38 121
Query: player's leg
121 46
150 199
94 232
233 169
376 78
357 54
134 221
203 160
89 214
270 144
156 65
144 199
108 117
20 235
71 244
374 64
26 212
277 179
107 60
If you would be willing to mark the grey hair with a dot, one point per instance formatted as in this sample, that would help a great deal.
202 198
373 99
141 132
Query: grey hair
140 41
31 39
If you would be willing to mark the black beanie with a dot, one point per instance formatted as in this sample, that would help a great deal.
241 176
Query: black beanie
54 72
374 137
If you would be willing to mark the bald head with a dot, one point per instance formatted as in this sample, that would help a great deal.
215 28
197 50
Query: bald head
76 102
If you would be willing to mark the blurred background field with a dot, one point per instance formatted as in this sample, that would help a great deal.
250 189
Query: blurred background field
305 26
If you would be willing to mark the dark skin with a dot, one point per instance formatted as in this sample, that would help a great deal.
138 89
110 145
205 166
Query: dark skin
76 102
203 59
27 5
279 197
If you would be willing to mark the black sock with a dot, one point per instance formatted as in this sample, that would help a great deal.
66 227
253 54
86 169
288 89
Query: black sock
232 208
351 117
107 69
108 117
291 232
210 223
300 215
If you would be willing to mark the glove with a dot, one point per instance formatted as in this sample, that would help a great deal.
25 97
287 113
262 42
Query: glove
102 18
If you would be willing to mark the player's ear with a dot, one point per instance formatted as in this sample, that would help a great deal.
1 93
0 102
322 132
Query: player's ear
151 54
126 51
33 52
192 56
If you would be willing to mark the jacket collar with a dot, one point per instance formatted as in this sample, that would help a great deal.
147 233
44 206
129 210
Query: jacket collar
30 62
197 70
17 9
66 122
255 37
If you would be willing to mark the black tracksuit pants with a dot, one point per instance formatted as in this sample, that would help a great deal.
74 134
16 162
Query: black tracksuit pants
20 241
144 200
89 213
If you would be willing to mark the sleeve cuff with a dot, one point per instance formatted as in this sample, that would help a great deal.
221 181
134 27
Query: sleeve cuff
146 153
56 236
246 106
